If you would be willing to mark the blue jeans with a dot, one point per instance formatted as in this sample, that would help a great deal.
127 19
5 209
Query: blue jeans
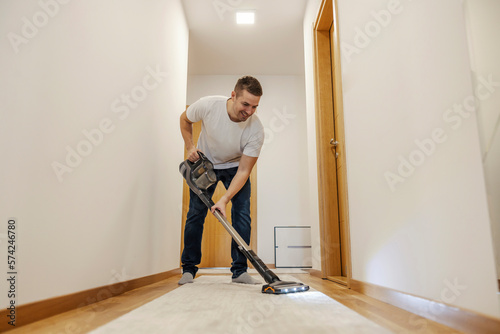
193 231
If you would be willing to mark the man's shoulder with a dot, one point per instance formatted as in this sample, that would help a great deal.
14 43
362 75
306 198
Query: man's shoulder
211 99
256 123
204 106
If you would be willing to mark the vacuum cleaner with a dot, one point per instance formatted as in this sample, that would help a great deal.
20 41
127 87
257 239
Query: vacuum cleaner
199 176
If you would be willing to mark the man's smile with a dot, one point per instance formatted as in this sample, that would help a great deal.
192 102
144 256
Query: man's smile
244 115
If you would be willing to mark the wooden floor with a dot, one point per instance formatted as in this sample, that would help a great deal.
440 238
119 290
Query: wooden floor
92 316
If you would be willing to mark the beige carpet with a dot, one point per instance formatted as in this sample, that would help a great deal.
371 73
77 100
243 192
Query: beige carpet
212 304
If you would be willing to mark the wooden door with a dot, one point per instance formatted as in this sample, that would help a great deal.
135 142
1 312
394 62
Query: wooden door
332 184
216 242
338 124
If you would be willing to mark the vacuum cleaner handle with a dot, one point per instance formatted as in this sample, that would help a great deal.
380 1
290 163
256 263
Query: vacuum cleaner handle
202 156
254 259
195 164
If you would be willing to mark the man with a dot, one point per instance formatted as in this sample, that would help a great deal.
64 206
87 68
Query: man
231 138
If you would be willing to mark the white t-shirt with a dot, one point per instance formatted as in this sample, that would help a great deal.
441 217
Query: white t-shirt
222 140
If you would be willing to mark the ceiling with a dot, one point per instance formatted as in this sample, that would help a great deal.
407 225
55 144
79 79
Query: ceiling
272 46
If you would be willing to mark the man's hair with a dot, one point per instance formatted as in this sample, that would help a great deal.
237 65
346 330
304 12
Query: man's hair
250 84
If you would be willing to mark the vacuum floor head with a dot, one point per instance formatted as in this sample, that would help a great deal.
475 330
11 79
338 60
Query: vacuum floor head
283 287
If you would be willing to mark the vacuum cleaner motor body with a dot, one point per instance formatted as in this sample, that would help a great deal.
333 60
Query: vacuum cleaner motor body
199 175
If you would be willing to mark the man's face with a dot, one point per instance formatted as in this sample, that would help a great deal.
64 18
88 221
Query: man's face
244 106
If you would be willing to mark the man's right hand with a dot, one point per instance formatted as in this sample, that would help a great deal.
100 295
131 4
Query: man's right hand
193 155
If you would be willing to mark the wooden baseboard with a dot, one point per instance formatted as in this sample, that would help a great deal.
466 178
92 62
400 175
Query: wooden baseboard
338 279
29 313
315 273
451 316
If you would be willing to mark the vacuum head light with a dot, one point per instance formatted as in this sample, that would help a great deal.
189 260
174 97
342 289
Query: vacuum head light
283 287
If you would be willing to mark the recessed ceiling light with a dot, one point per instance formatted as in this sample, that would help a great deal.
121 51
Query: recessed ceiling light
245 17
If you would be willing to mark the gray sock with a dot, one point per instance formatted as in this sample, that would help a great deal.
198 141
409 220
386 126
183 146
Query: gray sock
186 278
245 278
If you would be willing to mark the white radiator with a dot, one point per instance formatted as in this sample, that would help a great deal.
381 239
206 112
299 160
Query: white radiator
292 247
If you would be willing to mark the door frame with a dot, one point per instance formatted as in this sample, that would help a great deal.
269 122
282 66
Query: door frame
332 186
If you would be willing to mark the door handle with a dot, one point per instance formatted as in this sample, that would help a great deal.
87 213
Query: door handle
335 143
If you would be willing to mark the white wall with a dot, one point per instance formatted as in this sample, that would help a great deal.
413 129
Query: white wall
113 213
483 27
282 185
424 229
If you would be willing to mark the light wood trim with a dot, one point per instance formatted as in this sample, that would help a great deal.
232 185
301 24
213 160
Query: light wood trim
325 16
315 273
334 219
327 179
451 316
342 280
339 128
28 313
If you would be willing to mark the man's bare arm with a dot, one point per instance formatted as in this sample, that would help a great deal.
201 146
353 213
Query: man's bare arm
187 134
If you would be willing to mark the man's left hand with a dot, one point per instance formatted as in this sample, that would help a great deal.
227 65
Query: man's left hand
220 206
